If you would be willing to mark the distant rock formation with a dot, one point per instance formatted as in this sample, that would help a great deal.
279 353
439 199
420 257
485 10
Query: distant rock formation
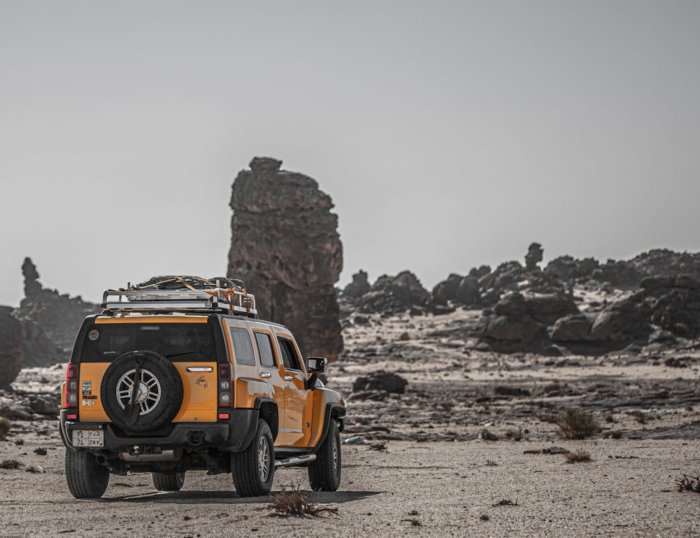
388 295
286 248
50 320
11 350
534 255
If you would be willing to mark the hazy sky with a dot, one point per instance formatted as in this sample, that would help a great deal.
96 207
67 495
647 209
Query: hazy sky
449 134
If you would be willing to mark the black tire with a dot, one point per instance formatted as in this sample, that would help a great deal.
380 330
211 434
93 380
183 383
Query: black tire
168 481
248 476
86 478
171 391
325 471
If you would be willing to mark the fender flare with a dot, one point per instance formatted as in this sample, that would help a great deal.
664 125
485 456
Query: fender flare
333 410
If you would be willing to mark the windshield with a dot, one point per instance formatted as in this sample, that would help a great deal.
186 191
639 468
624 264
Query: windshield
176 341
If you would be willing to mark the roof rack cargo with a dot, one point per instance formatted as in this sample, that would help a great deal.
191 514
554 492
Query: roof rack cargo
182 294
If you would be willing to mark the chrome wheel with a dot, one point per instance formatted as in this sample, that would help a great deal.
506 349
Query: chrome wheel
148 392
264 459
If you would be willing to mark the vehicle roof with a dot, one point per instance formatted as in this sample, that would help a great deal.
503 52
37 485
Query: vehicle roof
178 317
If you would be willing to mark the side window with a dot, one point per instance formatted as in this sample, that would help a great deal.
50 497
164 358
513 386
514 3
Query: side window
267 358
289 354
242 346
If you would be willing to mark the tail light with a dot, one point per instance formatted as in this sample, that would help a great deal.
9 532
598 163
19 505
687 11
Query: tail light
225 386
72 384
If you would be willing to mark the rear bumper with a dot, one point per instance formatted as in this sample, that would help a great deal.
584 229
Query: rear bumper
232 435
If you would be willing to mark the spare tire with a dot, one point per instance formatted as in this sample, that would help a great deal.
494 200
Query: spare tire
147 405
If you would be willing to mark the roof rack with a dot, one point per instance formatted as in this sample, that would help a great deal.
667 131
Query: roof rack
182 294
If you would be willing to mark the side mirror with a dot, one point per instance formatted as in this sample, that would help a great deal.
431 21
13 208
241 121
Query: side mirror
316 365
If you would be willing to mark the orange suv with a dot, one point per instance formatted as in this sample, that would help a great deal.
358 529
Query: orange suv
178 375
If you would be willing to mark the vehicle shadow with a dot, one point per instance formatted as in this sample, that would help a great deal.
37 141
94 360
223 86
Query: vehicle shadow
231 497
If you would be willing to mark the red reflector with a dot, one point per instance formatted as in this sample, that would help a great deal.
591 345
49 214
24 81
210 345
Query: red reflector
224 416
71 417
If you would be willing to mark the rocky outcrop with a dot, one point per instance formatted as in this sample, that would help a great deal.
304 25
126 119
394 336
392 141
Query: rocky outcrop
286 248
58 317
392 294
524 318
359 285
11 350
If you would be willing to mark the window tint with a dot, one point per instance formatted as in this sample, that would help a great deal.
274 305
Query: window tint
265 349
176 341
289 354
242 346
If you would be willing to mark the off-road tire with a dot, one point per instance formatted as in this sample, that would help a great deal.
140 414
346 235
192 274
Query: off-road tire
86 478
171 391
325 470
168 481
246 465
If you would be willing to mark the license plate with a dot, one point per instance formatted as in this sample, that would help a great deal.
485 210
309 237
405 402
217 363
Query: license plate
89 438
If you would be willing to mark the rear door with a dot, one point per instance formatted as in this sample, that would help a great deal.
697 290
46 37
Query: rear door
188 342
297 416
270 372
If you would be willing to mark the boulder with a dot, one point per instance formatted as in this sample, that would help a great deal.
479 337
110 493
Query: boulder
381 381
514 328
446 290
286 248
468 291
11 350
572 328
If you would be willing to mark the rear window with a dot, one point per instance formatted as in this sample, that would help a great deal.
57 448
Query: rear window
176 341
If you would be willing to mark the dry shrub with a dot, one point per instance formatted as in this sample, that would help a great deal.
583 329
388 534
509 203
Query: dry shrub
10 464
689 483
487 435
577 424
506 502
578 456
295 503
5 426
514 435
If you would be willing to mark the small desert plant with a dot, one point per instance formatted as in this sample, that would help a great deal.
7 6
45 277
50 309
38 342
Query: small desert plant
10 464
295 503
576 457
506 502
487 435
689 483
491 463
5 426
577 424
514 435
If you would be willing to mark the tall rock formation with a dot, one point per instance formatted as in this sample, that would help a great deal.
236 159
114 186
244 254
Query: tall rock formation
286 248
50 320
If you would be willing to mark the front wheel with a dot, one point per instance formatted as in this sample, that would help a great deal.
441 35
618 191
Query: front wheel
168 481
325 470
86 478
254 469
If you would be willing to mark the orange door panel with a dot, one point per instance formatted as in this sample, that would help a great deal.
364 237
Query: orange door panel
89 398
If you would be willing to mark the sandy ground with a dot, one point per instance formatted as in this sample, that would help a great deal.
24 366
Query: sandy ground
427 489
435 477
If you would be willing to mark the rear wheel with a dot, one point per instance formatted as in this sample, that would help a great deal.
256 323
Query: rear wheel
325 470
168 481
86 478
254 469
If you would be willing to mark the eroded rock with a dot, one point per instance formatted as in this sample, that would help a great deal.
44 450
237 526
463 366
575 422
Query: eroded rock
286 248
11 350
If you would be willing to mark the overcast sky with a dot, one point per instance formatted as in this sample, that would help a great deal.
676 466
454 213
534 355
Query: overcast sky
449 134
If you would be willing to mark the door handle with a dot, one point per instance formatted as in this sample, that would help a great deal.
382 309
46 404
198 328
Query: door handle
265 374
288 377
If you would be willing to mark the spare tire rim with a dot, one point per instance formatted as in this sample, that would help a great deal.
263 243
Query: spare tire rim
148 392
263 458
